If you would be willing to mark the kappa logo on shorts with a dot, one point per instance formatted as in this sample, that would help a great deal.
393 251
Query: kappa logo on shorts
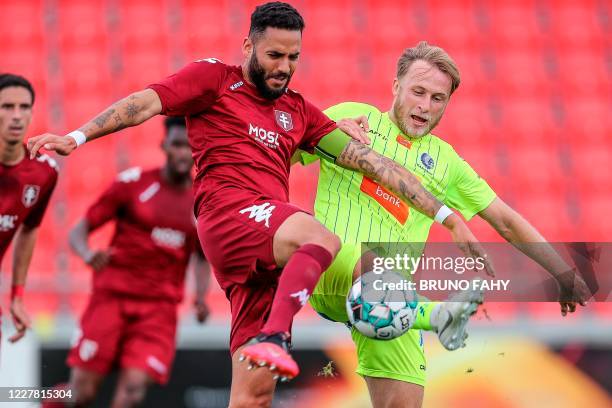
261 212
88 349
302 296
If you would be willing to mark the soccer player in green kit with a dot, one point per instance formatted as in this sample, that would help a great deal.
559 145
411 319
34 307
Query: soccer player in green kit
360 210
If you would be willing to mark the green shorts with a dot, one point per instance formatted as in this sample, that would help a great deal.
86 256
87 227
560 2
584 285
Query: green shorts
400 359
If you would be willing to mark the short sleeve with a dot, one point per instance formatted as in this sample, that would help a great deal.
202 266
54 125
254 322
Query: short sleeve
108 205
318 125
191 90
468 193
35 216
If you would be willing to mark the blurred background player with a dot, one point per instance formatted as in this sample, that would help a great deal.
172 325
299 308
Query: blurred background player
426 77
138 280
26 185
244 126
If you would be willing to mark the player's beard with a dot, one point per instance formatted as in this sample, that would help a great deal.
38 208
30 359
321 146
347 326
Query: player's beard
258 75
403 117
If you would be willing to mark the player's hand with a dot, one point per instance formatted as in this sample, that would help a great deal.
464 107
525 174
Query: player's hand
98 259
356 128
21 320
202 311
573 290
60 144
467 242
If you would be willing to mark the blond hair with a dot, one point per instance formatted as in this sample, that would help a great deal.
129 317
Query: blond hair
436 56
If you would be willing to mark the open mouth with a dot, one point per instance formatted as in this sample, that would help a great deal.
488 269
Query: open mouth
419 120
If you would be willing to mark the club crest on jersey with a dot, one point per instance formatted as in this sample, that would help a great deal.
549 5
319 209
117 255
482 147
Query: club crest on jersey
427 161
30 195
283 119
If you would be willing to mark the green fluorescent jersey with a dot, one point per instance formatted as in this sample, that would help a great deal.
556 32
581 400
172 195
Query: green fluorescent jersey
358 209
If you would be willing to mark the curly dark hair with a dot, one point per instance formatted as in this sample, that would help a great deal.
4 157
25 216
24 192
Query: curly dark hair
8 80
275 14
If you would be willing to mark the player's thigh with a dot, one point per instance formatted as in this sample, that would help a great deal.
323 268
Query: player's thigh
389 393
149 342
250 388
400 359
84 384
299 229
101 327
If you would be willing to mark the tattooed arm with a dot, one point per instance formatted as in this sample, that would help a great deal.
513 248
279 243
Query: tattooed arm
359 157
130 111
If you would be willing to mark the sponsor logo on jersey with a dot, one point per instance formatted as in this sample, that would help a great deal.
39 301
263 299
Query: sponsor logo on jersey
168 237
30 195
156 364
149 192
260 213
427 161
236 85
87 349
266 137
7 222
130 175
389 201
283 119
403 141
302 296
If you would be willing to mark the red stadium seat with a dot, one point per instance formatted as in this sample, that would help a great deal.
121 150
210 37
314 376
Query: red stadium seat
583 73
453 25
22 23
576 24
514 26
82 24
527 121
523 74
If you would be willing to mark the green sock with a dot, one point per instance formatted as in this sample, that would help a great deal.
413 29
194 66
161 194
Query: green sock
423 316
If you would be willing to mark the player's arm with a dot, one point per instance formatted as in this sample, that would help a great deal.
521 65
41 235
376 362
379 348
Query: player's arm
201 270
129 111
25 241
339 148
79 243
525 237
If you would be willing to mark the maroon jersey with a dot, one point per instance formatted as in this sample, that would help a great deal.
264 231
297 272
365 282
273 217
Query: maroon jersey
154 235
239 139
25 190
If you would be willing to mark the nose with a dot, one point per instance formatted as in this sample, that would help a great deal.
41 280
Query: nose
284 65
425 104
17 114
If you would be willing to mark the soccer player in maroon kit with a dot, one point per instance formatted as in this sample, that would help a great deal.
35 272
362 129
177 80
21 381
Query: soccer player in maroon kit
26 185
138 281
244 125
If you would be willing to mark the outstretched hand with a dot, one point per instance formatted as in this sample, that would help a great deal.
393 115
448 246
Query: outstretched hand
60 144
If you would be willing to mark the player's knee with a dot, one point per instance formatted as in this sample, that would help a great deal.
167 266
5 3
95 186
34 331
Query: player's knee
131 393
328 240
84 394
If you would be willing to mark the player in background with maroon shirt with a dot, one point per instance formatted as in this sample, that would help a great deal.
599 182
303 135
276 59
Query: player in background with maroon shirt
244 125
26 185
138 280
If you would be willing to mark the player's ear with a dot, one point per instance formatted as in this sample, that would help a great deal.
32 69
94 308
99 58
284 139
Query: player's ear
247 47
395 87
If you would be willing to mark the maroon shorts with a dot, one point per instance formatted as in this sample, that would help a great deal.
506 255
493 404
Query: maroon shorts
126 332
238 242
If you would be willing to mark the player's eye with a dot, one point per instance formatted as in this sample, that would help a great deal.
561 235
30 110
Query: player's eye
294 57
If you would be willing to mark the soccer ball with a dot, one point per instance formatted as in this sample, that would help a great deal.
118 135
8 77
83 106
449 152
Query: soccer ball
378 312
